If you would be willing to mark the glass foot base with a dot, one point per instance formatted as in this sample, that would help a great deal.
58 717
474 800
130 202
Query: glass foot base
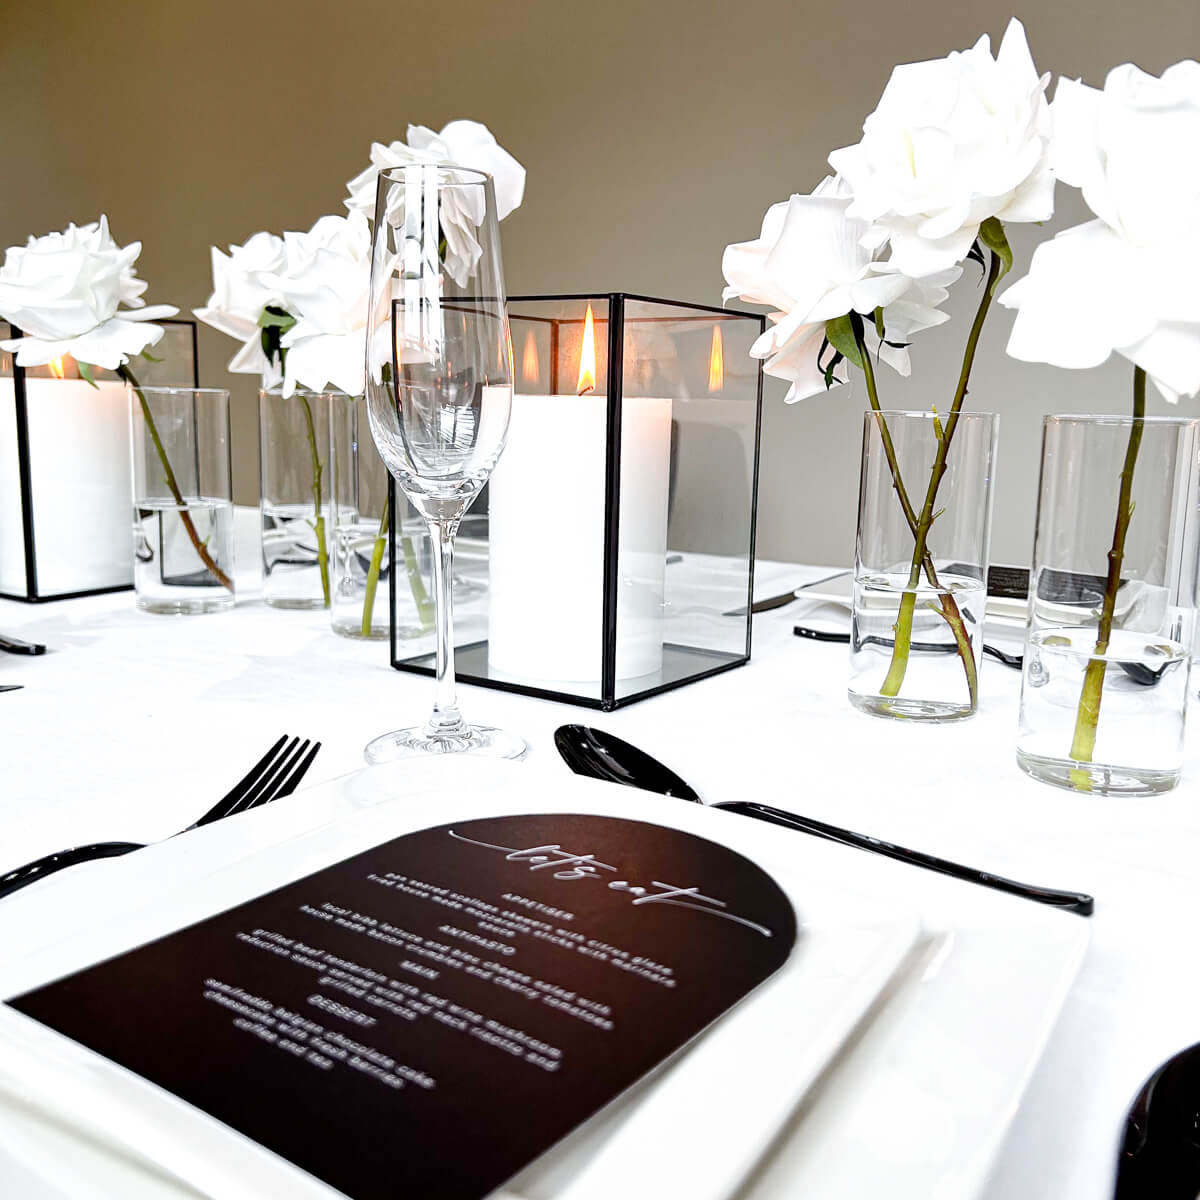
932 711
480 740
184 608
1097 779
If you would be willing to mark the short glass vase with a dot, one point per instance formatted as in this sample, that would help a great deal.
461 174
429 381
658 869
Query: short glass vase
924 524
1104 701
295 437
182 500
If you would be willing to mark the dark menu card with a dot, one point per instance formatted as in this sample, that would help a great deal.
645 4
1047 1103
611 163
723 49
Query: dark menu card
427 1017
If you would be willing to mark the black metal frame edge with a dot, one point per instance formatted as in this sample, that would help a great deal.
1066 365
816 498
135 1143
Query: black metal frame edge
612 498
608 700
25 469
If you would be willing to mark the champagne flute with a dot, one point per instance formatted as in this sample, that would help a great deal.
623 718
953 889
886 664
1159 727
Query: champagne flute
439 392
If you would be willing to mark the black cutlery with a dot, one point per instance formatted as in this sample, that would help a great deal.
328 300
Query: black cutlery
601 755
1137 672
12 645
1160 1154
11 687
824 635
276 774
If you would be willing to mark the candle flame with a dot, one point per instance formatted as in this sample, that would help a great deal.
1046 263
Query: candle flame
530 367
716 362
587 356
58 368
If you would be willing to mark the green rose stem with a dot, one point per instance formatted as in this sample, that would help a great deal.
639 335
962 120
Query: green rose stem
908 602
377 550
186 517
950 610
1083 744
412 571
319 515
274 323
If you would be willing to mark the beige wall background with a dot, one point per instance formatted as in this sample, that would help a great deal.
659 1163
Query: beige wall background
654 133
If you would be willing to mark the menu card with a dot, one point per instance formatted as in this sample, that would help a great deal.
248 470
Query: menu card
427 1017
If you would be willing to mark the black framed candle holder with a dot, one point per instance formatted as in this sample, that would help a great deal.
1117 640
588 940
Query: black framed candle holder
65 481
611 555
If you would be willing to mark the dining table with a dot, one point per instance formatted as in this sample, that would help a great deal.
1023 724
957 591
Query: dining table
131 724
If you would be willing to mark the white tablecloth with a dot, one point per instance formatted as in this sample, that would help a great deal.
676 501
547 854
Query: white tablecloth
132 724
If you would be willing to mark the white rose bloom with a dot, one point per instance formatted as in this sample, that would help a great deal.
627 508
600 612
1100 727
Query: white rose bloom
64 291
243 285
1126 281
460 143
325 287
809 265
463 143
952 142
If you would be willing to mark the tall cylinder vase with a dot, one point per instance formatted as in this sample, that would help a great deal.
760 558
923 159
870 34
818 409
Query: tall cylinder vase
359 549
924 523
1112 604
295 488
182 500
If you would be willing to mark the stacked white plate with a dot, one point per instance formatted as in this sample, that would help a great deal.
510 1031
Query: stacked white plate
886 1058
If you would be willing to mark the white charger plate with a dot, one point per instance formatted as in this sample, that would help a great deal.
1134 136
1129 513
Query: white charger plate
80 1125
914 1105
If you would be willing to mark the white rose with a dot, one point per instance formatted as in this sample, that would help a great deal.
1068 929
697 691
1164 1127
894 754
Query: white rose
461 143
325 287
243 285
64 291
810 266
1126 281
952 142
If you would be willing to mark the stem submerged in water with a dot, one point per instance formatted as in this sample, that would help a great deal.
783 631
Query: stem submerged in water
1087 719
169 476
924 521
949 610
318 512
368 611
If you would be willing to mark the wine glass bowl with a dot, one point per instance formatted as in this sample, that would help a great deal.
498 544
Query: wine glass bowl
439 391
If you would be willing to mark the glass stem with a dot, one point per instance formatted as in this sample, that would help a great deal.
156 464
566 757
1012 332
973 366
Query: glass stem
446 720
1083 744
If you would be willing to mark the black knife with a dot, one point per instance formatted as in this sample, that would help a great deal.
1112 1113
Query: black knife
15 646
1076 902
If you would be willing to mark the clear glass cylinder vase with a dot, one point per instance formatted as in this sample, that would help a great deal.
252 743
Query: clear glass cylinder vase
182 499
360 561
1112 604
920 568
296 495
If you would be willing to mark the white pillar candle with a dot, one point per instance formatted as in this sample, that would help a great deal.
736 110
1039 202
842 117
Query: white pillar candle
546 540
80 476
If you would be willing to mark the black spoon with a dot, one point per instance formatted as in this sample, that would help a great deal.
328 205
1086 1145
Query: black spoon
600 755
1160 1155
822 635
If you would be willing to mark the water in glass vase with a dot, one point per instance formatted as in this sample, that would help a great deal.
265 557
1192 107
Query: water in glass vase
932 684
291 549
169 574
1139 735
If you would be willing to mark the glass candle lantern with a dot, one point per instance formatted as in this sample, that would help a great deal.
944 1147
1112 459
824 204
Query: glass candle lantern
65 469
611 554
